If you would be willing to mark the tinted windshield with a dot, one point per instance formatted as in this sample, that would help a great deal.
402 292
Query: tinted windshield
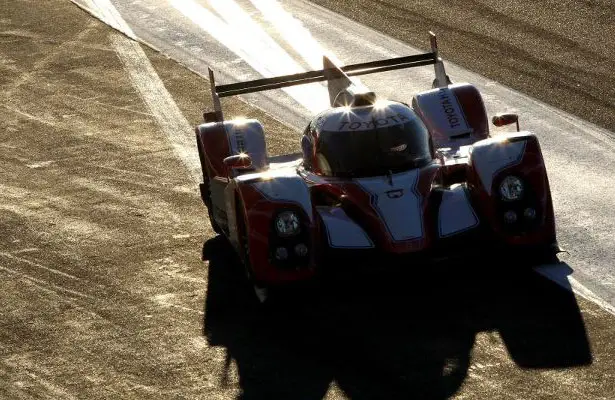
376 151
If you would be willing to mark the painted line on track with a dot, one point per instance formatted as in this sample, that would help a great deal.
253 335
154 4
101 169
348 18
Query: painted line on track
150 87
180 134
106 12
159 101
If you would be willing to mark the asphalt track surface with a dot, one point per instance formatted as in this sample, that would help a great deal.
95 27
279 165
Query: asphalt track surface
558 51
104 295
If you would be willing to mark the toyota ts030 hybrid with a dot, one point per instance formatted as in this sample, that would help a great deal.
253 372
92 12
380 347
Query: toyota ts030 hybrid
374 175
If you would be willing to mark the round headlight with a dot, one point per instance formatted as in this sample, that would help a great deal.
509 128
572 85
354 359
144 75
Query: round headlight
301 250
281 253
287 224
510 217
511 188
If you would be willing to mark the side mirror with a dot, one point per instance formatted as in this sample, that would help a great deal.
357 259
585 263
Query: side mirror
505 119
238 161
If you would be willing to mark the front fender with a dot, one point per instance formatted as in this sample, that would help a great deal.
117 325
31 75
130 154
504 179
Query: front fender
518 154
261 200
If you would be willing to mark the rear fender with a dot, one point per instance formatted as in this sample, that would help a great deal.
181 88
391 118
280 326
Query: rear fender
218 140
248 137
455 115
213 146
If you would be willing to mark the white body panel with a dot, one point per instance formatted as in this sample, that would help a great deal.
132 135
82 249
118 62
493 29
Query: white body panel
247 136
456 213
342 232
282 183
398 203
490 156
291 189
442 108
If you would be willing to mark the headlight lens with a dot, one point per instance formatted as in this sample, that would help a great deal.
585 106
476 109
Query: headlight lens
301 250
510 217
281 253
529 213
511 188
287 224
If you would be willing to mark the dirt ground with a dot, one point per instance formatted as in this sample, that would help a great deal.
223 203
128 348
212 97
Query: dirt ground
104 295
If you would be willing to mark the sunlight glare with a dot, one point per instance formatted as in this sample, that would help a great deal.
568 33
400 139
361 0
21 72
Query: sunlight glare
380 104
296 35
237 31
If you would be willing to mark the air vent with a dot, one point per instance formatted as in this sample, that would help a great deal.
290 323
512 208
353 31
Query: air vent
363 99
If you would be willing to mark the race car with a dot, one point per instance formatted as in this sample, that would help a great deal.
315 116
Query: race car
374 175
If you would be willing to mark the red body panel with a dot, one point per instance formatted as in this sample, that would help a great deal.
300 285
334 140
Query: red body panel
468 107
259 212
472 104
215 146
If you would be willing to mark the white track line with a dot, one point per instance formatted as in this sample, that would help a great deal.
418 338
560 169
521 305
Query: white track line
159 101
179 133
148 84
106 12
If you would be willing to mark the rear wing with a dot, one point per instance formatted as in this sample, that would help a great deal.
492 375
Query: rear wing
326 74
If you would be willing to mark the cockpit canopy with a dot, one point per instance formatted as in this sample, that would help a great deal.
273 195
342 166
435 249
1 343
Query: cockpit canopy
386 137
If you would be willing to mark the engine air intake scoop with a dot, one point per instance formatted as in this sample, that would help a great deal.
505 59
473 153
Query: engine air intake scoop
364 99
347 98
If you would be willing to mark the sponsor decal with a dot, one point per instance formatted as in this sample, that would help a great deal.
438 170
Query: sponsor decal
240 141
373 123
401 147
453 118
395 194
320 122
442 108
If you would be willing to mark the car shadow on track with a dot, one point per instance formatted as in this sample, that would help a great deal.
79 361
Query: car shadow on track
399 334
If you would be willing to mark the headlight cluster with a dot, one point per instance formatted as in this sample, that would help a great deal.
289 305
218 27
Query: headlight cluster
291 243
287 224
511 188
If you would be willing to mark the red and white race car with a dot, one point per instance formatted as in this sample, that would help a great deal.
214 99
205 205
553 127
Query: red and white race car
375 175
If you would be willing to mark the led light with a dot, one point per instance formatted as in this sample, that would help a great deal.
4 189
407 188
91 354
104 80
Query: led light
287 224
301 250
510 217
281 253
511 188
529 213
